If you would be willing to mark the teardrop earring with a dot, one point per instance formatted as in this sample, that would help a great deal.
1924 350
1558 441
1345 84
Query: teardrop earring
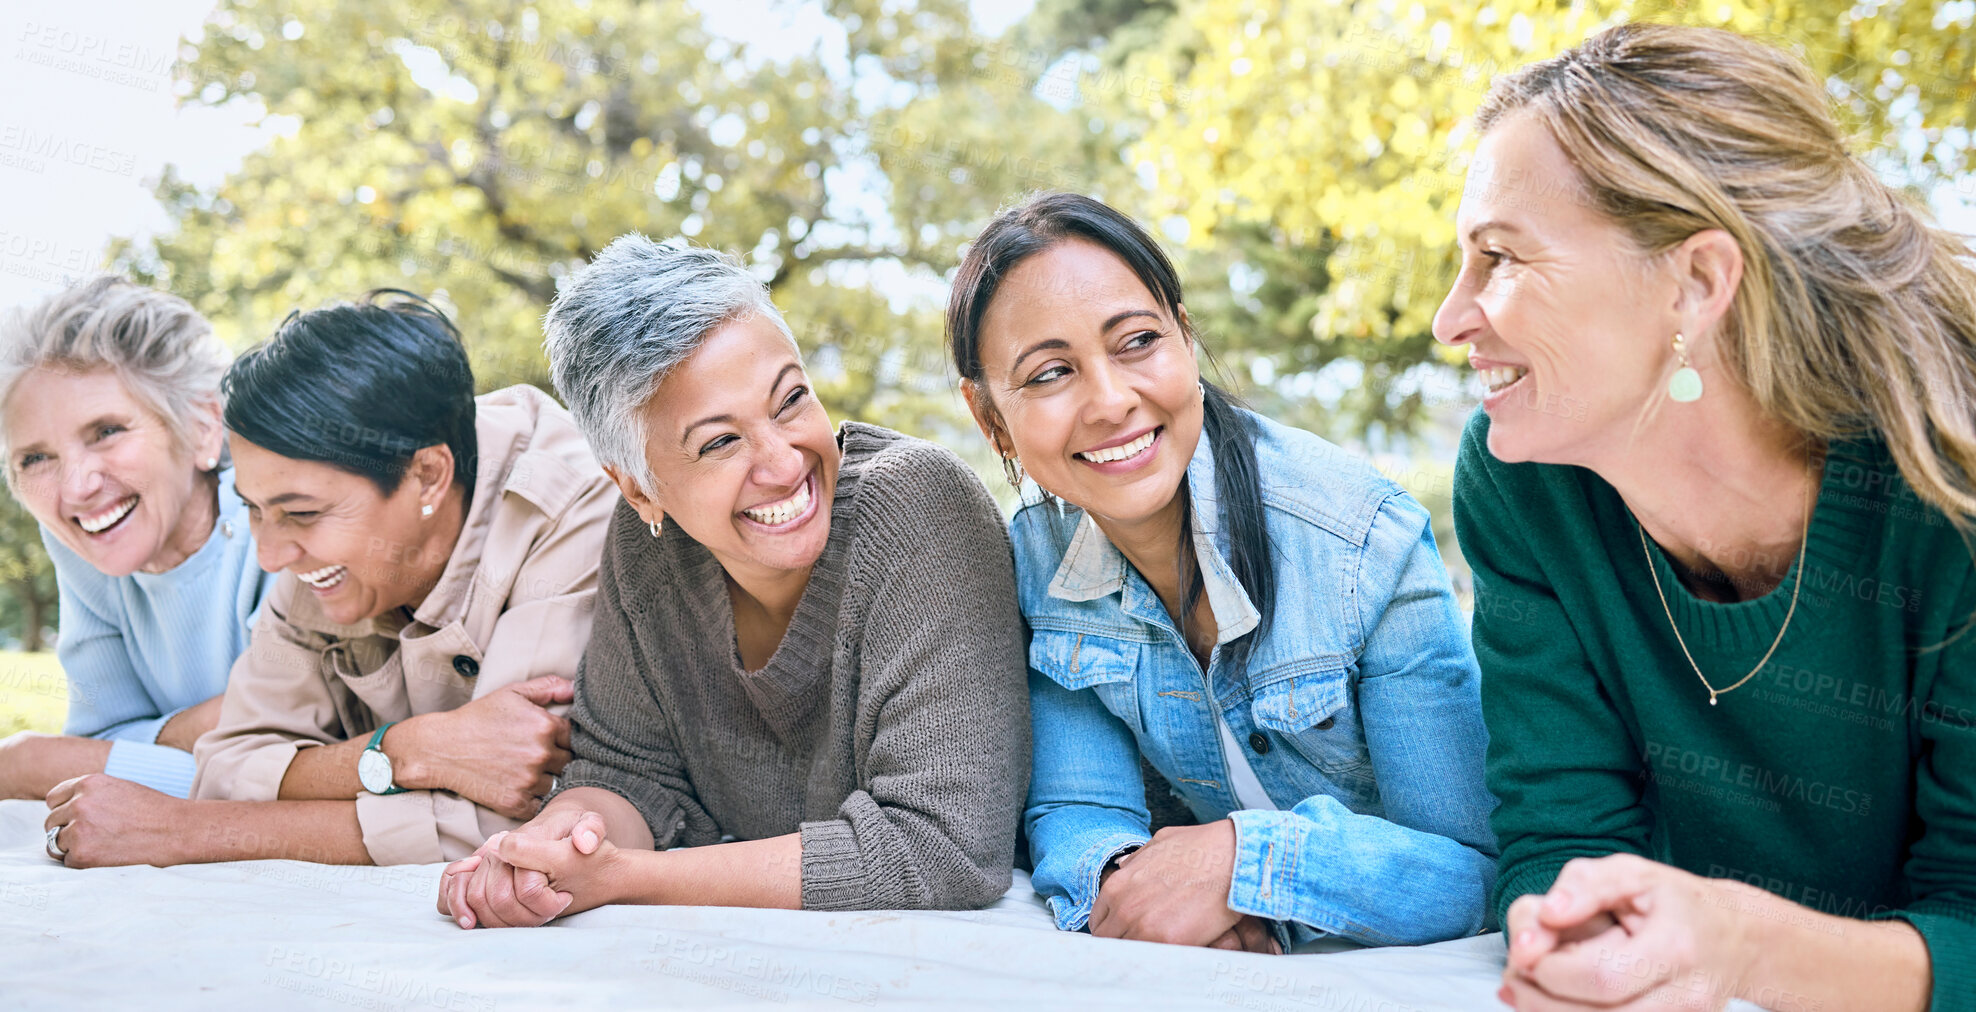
1012 470
1011 464
1686 384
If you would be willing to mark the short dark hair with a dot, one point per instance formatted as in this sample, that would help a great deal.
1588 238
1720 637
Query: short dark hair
361 387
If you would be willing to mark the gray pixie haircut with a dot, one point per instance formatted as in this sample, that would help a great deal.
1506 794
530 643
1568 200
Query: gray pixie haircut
620 324
157 344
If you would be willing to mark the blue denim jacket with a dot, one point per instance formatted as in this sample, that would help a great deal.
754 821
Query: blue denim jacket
1360 713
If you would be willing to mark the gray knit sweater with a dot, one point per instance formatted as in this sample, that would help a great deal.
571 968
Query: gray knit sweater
892 724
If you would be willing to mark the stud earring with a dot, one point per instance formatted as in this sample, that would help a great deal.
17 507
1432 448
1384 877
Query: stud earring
426 511
1686 384
654 526
212 463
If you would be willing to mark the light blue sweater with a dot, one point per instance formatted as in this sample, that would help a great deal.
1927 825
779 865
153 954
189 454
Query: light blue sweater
138 649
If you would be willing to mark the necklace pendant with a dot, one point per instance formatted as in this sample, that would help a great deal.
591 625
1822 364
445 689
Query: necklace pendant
1711 699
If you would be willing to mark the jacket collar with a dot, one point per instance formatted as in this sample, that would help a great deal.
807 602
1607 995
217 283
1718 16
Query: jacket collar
1093 567
505 424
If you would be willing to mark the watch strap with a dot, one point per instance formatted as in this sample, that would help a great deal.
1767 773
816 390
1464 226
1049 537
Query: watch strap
377 745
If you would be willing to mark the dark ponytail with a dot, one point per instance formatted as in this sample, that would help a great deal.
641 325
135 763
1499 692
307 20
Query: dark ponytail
1042 222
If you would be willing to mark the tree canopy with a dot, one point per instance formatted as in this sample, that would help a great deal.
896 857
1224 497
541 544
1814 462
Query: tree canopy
1302 157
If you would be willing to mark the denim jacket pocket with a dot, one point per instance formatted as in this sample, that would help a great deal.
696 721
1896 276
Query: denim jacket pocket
1313 710
1104 665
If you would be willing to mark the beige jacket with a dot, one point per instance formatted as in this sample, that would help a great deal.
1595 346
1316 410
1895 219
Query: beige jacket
513 603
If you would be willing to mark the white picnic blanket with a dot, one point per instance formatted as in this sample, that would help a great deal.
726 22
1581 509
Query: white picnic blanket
286 934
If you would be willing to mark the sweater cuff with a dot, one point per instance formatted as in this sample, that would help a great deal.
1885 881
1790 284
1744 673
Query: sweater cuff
1522 880
833 867
159 767
660 808
144 730
1949 930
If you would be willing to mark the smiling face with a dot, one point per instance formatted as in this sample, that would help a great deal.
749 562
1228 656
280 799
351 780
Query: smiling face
359 552
1569 326
1091 382
744 458
100 470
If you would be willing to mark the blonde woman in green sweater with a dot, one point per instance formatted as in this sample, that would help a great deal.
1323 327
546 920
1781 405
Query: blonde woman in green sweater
1716 505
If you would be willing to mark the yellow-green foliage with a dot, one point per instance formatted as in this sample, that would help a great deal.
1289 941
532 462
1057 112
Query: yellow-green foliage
1344 124
33 694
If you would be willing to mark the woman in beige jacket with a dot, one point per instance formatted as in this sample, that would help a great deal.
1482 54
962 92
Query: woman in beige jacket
400 699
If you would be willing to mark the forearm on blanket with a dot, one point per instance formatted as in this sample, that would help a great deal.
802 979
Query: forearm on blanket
325 832
745 873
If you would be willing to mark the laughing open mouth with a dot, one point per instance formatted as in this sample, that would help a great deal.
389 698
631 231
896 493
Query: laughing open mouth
102 521
1123 451
1503 378
324 578
776 514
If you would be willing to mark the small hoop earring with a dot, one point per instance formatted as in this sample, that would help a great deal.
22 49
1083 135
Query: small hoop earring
1202 386
1685 385
426 511
654 526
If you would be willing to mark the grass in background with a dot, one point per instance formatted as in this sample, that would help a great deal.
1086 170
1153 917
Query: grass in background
33 694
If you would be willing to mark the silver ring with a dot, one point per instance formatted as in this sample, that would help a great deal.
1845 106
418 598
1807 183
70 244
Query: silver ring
55 849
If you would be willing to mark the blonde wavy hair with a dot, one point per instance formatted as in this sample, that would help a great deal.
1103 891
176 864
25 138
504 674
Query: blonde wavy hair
1855 313
157 344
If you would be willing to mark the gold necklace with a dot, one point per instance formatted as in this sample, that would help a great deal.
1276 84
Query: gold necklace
1798 584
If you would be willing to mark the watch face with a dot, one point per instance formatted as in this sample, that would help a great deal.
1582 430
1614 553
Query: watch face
374 771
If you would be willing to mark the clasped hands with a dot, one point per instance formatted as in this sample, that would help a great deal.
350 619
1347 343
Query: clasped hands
560 863
1621 932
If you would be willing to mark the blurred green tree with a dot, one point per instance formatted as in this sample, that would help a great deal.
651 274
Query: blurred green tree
477 151
1318 149
27 579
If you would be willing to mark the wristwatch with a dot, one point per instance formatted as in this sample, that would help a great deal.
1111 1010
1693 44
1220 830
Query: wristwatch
374 767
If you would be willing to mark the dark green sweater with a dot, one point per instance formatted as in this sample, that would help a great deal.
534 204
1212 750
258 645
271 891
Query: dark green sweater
1841 777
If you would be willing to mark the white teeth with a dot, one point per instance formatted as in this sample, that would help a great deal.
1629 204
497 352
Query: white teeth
103 520
1120 452
784 511
324 578
1496 379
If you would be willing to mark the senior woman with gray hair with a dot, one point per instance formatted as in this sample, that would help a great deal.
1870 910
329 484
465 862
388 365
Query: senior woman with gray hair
806 640
110 418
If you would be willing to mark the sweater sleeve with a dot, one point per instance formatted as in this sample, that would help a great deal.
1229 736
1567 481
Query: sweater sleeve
620 738
943 698
107 699
1941 865
1559 759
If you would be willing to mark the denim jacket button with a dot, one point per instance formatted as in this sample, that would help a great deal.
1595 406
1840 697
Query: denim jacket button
1325 724
1259 742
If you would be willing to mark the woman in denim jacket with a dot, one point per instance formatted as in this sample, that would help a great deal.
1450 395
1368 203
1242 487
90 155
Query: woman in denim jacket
1261 616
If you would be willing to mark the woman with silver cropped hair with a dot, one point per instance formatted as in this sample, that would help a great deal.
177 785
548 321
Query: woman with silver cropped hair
110 416
806 637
